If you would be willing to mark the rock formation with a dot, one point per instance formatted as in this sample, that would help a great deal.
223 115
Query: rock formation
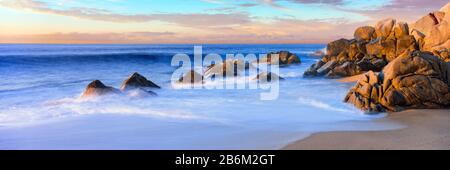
226 66
418 73
444 54
265 77
97 88
415 79
191 77
284 58
137 81
370 50
433 30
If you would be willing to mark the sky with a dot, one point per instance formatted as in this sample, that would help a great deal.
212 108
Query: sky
197 21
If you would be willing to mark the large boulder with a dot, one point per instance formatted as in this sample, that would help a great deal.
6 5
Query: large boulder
137 81
384 27
427 22
413 80
439 37
435 28
401 29
97 88
336 47
312 71
365 33
348 68
404 43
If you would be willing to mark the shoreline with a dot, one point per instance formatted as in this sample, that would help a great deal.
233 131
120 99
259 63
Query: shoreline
426 129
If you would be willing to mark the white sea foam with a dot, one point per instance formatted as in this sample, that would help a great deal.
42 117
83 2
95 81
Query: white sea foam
321 105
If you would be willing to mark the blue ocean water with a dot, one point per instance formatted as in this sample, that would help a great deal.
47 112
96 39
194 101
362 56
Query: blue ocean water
40 86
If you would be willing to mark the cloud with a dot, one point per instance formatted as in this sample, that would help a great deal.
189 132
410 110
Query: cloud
280 31
403 10
224 25
417 4
188 20
248 5
89 38
329 2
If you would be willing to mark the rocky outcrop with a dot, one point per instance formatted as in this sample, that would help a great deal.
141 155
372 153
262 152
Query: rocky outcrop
191 77
97 88
266 77
435 28
415 79
137 81
284 58
443 54
233 67
365 33
370 50
236 66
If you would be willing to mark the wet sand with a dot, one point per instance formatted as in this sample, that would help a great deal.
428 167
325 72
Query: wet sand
426 129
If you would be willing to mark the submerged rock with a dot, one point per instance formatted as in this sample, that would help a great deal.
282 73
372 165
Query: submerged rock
233 67
191 77
137 81
414 80
97 88
265 77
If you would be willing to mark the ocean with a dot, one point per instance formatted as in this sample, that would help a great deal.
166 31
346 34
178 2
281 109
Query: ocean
40 107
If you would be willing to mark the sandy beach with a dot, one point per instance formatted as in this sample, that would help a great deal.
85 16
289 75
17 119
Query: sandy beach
426 129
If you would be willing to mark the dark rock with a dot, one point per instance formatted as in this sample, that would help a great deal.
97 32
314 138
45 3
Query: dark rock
265 77
97 88
235 67
326 68
344 70
312 71
336 47
284 58
137 81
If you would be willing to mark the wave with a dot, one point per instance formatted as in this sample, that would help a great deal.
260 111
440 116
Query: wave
69 107
74 58
35 85
322 105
